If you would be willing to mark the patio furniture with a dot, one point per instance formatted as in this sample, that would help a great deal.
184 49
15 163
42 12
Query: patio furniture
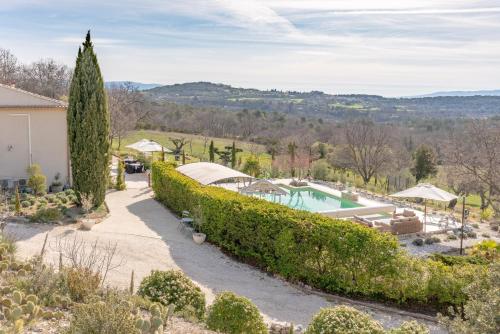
185 221
426 191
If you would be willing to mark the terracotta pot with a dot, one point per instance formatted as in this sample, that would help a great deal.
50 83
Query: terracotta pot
199 238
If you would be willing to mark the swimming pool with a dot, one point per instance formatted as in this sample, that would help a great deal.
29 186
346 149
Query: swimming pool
309 199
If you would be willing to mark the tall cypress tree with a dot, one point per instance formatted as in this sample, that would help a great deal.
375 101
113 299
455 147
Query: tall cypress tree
233 155
88 127
211 152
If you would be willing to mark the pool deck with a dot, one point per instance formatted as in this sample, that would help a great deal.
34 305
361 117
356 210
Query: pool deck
369 208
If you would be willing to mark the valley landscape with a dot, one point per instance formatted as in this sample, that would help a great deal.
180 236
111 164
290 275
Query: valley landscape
306 168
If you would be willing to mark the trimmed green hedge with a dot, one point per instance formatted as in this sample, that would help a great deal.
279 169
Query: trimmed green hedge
333 255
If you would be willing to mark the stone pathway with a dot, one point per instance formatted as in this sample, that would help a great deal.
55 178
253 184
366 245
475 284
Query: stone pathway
148 238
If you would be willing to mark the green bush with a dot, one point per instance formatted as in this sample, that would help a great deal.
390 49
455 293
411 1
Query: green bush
472 234
69 192
37 181
452 260
320 170
25 204
50 198
336 256
429 241
343 320
172 287
282 239
233 314
47 215
418 242
72 199
410 327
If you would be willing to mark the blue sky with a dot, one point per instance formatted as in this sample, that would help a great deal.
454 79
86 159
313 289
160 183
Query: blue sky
386 47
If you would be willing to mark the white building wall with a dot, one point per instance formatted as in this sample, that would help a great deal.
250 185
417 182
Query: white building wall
38 135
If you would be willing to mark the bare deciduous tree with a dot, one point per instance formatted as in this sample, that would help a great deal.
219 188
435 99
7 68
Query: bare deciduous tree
97 258
366 148
125 109
475 152
8 67
45 77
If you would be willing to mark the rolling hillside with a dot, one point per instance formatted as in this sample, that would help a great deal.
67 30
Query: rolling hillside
322 105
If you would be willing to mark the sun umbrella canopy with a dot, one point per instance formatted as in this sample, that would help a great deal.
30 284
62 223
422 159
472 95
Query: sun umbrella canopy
145 145
426 191
263 186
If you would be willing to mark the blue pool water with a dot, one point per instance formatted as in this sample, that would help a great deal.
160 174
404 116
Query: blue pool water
309 199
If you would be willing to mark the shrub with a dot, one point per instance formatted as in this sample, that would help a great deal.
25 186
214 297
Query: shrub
436 240
485 235
234 314
410 327
120 178
173 287
282 239
452 260
487 214
475 225
452 237
50 198
25 204
429 241
343 320
320 170
17 202
480 312
418 242
487 249
81 283
37 181
47 215
336 256
69 192
106 316
472 234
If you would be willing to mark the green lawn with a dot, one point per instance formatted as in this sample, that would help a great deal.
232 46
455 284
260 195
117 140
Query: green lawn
347 106
195 149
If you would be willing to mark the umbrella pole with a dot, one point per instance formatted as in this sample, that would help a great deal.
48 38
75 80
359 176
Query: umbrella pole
425 215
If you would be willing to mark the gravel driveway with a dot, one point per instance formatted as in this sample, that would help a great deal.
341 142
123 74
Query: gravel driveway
148 238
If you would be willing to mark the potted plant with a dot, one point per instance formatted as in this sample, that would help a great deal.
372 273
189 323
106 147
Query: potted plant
198 236
57 185
87 204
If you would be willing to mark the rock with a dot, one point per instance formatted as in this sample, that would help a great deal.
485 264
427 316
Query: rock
276 328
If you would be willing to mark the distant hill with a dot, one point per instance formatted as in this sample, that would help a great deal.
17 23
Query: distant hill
327 106
463 93
139 85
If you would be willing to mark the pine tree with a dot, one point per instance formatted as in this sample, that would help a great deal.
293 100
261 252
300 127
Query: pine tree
424 164
88 127
211 152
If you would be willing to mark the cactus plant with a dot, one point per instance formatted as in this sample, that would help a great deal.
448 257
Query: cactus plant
17 296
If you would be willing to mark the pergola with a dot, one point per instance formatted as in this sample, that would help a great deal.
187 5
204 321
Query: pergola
263 187
210 173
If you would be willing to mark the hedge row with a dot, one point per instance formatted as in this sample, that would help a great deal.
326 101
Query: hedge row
333 255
